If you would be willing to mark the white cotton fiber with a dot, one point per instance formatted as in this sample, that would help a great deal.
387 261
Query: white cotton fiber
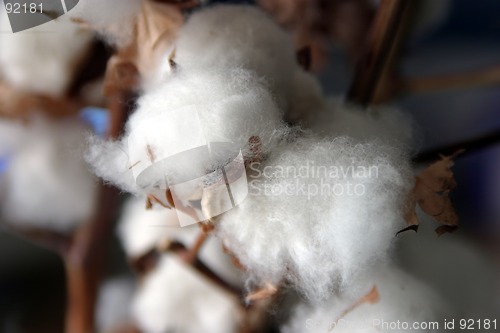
109 161
142 230
113 304
191 110
175 298
47 181
226 37
42 59
113 19
318 213
403 300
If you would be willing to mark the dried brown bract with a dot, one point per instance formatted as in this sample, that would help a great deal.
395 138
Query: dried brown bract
431 192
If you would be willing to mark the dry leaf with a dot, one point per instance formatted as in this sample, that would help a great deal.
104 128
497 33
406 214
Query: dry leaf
431 192
154 31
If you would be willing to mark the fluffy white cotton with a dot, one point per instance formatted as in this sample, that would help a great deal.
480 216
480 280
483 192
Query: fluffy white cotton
226 37
402 299
175 298
170 132
113 305
142 230
47 181
109 161
113 19
42 59
318 213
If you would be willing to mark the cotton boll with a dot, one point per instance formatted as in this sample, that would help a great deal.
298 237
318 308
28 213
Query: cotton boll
48 184
42 59
175 298
113 305
113 19
227 37
141 230
176 129
318 213
229 106
403 299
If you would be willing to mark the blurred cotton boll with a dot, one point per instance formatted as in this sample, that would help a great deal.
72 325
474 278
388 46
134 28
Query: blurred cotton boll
113 305
175 298
47 183
141 230
42 59
401 299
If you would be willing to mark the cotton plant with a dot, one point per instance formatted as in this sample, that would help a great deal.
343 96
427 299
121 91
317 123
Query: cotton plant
220 137
46 184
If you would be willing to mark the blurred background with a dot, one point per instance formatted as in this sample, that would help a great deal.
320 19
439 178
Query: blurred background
448 37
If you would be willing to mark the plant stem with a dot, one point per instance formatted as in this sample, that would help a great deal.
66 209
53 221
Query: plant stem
376 65
87 255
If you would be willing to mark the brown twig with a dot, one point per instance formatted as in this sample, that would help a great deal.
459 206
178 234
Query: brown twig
470 146
52 240
184 253
481 77
85 259
371 80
